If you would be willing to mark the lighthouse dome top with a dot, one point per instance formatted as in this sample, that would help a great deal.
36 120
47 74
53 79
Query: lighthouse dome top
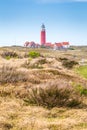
43 26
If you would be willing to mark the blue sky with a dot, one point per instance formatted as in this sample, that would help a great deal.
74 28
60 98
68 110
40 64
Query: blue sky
65 20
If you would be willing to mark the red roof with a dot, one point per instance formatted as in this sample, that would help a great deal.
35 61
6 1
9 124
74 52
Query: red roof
59 44
52 45
65 43
48 44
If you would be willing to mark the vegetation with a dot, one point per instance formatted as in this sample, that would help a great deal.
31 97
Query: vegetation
9 74
82 70
68 63
34 54
81 89
35 63
47 98
9 54
63 59
53 96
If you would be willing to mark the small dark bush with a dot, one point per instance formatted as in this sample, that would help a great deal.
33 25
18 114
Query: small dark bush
84 92
81 90
9 54
69 64
71 48
63 59
34 54
6 126
42 61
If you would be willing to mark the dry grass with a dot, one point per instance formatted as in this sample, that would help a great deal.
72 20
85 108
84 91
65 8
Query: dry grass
16 82
53 95
9 74
18 116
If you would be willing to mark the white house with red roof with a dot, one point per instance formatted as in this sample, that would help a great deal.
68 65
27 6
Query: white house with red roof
58 46
61 45
31 44
66 44
55 46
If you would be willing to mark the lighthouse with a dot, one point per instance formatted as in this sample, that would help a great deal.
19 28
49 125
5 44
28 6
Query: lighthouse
43 35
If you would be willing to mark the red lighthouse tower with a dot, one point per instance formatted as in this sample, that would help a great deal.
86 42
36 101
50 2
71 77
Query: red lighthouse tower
43 35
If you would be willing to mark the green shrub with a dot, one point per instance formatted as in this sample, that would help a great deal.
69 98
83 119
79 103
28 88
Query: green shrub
70 48
82 70
7 57
81 90
34 54
84 92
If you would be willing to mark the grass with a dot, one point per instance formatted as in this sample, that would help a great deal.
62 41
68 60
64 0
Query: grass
19 116
53 96
36 63
9 54
49 87
81 89
82 70
10 74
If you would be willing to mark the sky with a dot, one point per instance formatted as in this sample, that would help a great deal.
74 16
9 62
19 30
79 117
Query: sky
21 20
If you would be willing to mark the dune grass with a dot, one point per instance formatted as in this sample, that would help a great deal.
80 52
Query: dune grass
82 70
54 96
38 99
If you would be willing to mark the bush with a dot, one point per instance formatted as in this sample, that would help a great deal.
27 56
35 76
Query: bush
69 63
82 90
34 54
6 125
34 63
11 75
82 70
63 59
70 48
53 97
7 55
42 61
